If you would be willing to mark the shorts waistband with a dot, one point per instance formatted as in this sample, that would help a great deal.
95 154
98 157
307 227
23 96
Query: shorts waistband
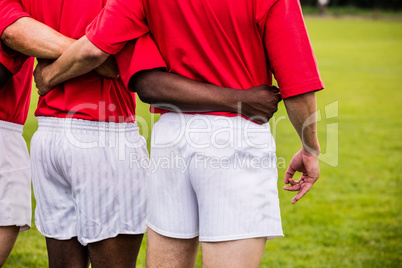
11 126
62 124
219 120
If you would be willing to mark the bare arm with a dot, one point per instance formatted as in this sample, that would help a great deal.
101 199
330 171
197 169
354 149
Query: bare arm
302 113
80 58
35 39
172 92
5 75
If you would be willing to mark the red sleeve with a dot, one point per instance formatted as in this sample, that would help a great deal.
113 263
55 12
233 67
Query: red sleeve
290 54
12 63
119 22
139 56
10 11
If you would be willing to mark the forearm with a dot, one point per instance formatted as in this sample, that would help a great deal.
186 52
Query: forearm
5 75
80 58
302 113
171 90
35 39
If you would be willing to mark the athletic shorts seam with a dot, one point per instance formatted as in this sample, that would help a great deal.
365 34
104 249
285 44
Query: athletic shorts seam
170 234
85 241
238 237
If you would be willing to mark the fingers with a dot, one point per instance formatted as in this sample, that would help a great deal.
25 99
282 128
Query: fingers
274 89
302 186
292 187
42 93
289 175
279 97
306 187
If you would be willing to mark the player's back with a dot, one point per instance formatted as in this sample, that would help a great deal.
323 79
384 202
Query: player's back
69 17
213 41
89 96
235 43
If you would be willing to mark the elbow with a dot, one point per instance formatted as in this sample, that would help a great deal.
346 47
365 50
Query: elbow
146 94
90 53
10 37
147 98
94 56
140 84
14 35
7 36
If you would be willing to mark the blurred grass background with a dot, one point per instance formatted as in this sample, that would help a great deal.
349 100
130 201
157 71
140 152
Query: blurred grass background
352 216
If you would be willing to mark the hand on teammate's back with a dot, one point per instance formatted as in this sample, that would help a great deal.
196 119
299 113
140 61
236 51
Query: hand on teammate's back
108 70
41 85
260 103
306 163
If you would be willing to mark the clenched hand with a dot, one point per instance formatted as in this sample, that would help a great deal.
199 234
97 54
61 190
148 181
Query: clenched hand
41 84
260 103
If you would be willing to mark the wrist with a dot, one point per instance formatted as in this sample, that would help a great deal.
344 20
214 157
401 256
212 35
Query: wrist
238 98
311 151
47 81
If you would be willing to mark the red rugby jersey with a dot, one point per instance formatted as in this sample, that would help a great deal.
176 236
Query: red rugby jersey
16 94
89 96
230 43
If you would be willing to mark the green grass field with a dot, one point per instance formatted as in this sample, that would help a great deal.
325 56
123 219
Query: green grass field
352 217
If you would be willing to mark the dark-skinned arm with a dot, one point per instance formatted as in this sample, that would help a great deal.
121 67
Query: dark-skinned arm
5 76
176 92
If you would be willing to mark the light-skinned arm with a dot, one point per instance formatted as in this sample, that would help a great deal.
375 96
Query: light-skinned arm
33 38
80 58
302 110
175 92
5 75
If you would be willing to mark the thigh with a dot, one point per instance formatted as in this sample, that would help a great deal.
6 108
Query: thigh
165 251
120 251
233 254
8 236
67 253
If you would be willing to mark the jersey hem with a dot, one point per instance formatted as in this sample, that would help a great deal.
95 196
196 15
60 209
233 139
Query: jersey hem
308 87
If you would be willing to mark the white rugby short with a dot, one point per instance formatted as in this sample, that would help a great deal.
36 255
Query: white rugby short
84 183
214 177
15 177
